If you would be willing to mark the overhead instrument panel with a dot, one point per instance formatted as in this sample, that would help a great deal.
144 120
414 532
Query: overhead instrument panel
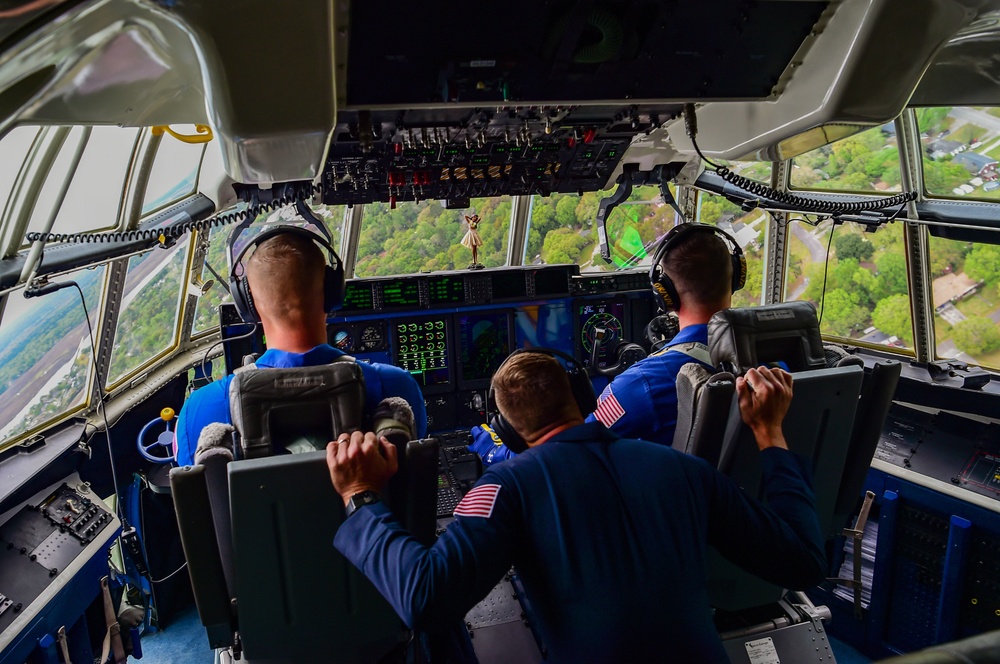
458 155
605 316
544 99
545 53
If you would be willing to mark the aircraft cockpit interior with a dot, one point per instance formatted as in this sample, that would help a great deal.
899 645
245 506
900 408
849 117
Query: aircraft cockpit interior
483 183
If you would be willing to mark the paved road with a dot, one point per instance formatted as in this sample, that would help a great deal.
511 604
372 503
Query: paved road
816 249
980 118
799 290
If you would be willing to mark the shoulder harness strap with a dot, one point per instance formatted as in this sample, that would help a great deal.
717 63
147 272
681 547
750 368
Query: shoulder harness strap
695 350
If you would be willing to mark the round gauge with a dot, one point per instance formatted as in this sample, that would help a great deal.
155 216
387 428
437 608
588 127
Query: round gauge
372 338
342 339
612 326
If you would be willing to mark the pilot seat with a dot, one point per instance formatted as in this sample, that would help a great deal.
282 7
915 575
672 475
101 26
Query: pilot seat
257 528
837 412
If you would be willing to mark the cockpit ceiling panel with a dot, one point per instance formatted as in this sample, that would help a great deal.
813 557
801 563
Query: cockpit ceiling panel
966 72
20 16
402 55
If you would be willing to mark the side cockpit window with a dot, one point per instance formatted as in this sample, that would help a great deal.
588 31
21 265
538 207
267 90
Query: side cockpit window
857 280
151 304
961 147
45 356
174 174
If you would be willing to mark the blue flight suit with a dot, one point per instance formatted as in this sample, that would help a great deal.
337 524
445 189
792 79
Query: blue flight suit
609 536
211 403
641 402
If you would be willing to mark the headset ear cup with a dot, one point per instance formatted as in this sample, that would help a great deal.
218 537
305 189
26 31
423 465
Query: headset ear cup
510 437
583 391
739 270
333 287
239 288
665 292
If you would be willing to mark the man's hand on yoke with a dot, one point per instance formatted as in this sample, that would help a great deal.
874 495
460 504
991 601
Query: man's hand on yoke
764 397
360 462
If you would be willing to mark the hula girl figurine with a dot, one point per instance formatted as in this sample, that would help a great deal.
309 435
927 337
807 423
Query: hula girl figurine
472 240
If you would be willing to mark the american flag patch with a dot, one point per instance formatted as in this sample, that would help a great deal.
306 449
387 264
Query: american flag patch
479 501
609 410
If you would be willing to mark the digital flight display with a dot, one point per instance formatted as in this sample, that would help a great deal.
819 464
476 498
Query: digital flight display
400 293
358 296
594 317
446 290
422 349
544 326
484 343
551 283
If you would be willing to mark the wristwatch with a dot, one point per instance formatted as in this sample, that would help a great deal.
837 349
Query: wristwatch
360 500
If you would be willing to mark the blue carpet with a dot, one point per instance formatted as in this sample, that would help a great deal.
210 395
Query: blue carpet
183 641
845 654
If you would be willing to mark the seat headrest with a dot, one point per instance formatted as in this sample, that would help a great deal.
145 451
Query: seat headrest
296 409
740 339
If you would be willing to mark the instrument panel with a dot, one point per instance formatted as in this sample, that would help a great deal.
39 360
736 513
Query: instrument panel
944 446
458 288
451 331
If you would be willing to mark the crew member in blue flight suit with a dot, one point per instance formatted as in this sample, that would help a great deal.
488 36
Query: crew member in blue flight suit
608 534
642 401
285 274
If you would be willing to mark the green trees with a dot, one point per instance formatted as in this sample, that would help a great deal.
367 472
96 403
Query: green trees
841 312
148 319
892 316
563 245
931 120
983 263
891 267
945 257
852 245
977 335
941 177
712 208
426 237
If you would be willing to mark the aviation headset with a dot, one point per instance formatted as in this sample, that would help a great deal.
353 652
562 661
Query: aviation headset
664 291
239 286
579 383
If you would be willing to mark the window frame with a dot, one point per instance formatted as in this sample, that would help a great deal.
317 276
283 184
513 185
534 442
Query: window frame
109 336
88 402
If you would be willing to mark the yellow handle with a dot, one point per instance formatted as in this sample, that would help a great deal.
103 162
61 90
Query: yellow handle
204 133
167 414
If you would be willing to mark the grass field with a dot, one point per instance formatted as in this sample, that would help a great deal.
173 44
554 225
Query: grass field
967 133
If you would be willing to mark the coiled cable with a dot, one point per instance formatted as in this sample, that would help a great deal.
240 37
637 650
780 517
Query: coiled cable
796 202
175 231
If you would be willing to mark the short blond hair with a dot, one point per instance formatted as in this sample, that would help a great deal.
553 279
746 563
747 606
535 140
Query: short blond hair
285 274
533 392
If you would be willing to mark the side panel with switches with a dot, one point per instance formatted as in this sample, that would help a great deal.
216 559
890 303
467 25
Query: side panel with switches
53 551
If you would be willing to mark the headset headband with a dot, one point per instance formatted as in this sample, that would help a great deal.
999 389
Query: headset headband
664 290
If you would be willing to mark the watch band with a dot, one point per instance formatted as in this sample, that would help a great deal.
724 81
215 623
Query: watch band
360 500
